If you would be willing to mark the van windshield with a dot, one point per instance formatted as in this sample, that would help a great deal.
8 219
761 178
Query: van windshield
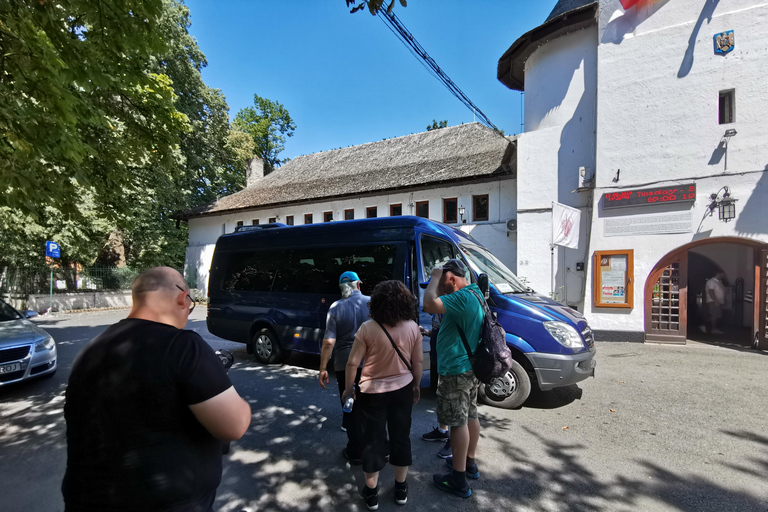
483 261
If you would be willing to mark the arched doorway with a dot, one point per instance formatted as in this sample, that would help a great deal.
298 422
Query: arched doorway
675 297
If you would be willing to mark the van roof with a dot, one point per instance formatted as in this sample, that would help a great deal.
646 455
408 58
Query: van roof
382 228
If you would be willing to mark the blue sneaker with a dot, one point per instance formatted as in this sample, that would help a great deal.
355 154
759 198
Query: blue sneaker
472 471
447 484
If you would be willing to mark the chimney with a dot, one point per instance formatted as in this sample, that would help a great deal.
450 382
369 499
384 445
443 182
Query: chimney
254 172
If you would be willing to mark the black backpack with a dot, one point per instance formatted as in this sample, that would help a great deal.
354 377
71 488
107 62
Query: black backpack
492 358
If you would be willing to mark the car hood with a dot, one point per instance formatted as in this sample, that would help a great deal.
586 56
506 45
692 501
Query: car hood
15 332
551 308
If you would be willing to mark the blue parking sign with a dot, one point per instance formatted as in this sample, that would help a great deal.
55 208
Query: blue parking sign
52 250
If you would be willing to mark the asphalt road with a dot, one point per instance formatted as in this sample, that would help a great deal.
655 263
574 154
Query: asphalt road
659 429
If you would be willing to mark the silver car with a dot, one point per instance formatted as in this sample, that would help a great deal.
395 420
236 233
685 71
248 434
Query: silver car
26 351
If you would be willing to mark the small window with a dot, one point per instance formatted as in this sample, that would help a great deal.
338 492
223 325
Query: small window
239 223
272 220
422 209
370 212
327 216
480 208
434 253
449 210
307 218
395 210
289 220
727 106
255 222
349 214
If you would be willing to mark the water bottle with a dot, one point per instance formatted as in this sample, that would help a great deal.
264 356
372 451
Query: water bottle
348 404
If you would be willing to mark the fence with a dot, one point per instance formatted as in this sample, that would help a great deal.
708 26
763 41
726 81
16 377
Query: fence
20 282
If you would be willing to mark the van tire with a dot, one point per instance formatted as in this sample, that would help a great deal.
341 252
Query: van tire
267 348
511 392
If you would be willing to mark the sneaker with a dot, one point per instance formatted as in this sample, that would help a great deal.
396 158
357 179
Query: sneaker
371 497
401 492
446 483
472 471
436 435
445 451
352 462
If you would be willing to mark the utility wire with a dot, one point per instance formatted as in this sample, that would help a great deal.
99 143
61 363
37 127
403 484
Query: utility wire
396 26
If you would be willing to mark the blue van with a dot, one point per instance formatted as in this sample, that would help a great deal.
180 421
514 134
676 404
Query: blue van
271 285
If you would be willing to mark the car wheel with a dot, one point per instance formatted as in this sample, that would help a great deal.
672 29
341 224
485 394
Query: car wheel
509 391
267 348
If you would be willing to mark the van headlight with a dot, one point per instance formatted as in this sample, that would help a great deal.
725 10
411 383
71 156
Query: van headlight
46 343
564 334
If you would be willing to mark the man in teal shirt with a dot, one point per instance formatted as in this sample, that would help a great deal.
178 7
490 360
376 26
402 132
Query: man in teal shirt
449 292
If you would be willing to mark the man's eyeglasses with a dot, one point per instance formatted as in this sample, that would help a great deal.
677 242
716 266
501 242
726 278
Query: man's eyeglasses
191 300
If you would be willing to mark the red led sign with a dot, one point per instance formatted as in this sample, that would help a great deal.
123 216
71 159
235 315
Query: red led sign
647 196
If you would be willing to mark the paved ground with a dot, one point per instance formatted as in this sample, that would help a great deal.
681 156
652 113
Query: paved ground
659 429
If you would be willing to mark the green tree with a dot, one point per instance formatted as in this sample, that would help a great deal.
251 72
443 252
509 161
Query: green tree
78 108
436 126
268 123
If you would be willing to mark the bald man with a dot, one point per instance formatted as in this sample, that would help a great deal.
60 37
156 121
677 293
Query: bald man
148 408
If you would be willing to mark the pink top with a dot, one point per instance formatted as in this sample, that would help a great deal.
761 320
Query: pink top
383 370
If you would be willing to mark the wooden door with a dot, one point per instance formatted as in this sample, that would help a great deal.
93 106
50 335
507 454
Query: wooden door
666 301
761 300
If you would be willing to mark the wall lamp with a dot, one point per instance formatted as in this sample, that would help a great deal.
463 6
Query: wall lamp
730 132
725 204
461 213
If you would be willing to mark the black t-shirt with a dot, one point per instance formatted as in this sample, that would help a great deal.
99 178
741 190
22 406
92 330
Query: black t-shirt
132 442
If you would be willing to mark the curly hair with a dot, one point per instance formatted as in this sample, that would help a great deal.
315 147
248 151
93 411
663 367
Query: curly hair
392 302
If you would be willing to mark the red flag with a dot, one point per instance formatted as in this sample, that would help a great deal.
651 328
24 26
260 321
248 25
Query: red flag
626 4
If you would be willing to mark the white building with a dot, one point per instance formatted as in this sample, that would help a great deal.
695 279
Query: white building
461 175
661 118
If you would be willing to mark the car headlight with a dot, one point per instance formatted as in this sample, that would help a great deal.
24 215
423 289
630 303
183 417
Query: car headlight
46 343
564 334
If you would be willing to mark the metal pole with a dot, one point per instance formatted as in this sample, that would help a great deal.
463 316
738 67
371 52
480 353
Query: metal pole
565 282
50 310
552 271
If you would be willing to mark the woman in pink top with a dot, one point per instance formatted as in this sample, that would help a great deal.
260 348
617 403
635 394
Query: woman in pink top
389 385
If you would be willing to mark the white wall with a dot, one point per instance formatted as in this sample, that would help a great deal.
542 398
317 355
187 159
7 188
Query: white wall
502 198
560 117
657 121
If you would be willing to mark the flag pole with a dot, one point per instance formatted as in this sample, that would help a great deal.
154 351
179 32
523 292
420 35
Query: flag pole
552 253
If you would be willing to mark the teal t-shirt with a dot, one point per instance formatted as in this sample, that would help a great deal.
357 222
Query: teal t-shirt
462 308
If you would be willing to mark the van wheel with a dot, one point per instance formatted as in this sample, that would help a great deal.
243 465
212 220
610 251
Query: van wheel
509 391
266 348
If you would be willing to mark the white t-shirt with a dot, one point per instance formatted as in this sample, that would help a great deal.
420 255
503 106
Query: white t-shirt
717 289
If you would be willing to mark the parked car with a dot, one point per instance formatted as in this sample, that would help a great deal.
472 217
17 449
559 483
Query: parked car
26 351
271 285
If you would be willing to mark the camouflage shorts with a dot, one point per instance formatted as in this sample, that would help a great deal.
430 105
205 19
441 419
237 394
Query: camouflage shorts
457 399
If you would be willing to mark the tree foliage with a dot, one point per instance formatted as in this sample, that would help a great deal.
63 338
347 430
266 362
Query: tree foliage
437 125
374 6
106 130
268 123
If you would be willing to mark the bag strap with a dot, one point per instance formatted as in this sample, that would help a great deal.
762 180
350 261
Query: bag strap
483 304
394 346
464 340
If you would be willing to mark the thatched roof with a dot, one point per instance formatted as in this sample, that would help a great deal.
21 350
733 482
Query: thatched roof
468 152
567 16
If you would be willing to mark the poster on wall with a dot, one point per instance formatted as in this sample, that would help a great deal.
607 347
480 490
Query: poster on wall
613 279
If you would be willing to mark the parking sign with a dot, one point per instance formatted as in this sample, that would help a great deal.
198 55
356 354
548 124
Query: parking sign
52 250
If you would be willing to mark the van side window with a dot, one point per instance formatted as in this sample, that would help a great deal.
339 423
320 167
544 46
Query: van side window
310 269
434 253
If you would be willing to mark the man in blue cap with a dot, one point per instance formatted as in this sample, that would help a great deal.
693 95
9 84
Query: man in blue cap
345 316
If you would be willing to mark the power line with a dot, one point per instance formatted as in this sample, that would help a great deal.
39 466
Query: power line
396 26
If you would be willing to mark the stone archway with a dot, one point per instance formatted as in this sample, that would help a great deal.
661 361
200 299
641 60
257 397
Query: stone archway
666 292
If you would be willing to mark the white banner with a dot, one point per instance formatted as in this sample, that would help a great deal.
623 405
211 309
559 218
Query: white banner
565 225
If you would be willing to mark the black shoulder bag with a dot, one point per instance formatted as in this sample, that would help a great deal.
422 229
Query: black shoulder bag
394 346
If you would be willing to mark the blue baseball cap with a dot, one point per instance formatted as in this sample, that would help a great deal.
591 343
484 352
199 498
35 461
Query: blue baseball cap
348 277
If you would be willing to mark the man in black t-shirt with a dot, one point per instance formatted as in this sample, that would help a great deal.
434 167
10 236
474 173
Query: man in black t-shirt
148 407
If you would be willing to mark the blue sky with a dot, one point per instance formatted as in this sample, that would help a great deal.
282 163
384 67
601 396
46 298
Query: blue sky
346 79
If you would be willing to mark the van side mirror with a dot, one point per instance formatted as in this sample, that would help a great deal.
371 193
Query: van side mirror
30 314
482 283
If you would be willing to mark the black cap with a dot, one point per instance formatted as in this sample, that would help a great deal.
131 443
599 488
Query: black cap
456 267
